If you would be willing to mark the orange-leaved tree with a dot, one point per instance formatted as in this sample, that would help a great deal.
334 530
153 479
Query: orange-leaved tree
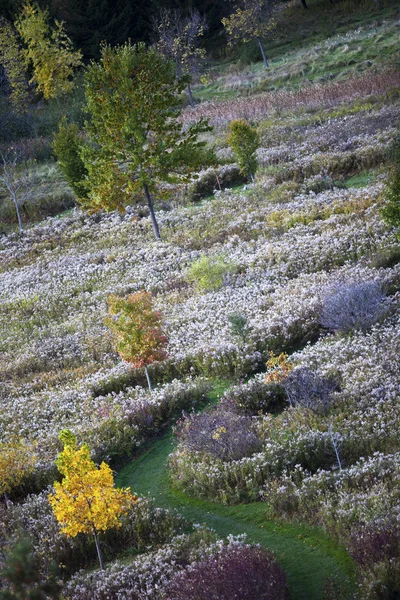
86 500
136 326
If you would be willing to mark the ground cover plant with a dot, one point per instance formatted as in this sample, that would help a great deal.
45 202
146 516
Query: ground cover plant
287 288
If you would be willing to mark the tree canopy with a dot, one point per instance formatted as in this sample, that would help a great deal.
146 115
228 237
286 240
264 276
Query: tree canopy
48 51
252 20
137 142
86 500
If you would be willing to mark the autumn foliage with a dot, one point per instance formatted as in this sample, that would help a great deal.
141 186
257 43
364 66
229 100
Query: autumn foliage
136 327
16 462
86 500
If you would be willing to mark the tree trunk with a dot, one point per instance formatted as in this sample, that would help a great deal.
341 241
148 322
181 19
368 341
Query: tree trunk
265 61
151 209
148 379
189 89
96 540
304 3
335 446
21 227
251 173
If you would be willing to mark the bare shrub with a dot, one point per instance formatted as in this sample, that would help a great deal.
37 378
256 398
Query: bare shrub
220 433
308 389
353 306
238 573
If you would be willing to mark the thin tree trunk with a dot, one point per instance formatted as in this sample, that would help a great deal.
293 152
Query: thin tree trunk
148 379
265 61
335 447
21 227
304 3
152 214
189 89
251 174
96 540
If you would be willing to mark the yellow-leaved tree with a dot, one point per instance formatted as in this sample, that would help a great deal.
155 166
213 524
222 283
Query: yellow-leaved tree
86 500
17 461
48 53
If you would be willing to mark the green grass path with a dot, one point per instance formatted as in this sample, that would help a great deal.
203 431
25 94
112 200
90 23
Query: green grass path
305 553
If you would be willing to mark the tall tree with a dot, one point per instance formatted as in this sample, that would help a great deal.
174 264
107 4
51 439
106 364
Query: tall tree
137 141
48 52
86 500
178 38
252 20
10 58
137 330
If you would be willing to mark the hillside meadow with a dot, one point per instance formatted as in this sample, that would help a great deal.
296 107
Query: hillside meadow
280 300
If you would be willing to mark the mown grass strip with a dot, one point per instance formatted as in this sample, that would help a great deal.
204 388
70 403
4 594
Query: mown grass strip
308 556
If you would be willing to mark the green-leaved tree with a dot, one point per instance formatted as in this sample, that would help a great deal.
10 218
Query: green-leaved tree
252 20
137 141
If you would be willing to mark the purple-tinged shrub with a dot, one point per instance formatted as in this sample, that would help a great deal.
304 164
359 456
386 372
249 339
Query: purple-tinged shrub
376 549
236 573
353 306
306 388
220 433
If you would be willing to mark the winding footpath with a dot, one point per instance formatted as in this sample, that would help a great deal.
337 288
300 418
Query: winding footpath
308 556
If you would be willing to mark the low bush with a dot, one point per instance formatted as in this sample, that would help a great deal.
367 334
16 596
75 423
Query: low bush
308 389
209 273
376 549
214 179
352 306
219 433
255 397
237 573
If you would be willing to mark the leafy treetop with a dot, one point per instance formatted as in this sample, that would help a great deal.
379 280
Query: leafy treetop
86 500
252 20
138 142
48 51
137 329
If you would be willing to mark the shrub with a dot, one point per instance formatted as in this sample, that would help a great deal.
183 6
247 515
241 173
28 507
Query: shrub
219 433
208 273
255 396
237 573
306 388
67 147
376 550
353 306
207 182
239 326
244 141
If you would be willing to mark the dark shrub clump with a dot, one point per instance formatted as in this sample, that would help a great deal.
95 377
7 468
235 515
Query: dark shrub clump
220 433
237 573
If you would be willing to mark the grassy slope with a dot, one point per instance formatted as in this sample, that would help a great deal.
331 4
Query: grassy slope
307 555
326 42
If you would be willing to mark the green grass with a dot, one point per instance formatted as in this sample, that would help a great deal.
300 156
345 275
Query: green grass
359 181
308 556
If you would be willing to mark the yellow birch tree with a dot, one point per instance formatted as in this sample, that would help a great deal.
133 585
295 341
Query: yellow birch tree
86 500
